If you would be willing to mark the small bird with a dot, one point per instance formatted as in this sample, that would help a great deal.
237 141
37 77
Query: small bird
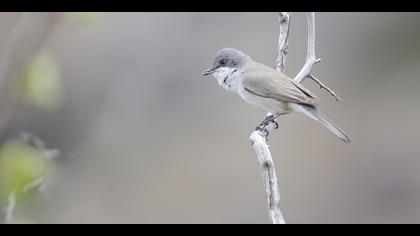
266 88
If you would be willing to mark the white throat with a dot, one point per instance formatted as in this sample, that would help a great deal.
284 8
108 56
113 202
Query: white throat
226 77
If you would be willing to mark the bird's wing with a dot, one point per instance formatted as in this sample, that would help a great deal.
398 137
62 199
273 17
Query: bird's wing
266 82
305 90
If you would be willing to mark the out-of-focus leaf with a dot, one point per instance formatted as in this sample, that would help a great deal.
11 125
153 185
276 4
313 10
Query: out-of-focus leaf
86 18
41 84
21 165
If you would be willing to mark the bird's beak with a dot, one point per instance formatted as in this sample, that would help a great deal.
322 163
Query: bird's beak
209 71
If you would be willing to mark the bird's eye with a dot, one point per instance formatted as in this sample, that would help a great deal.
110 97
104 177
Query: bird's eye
222 62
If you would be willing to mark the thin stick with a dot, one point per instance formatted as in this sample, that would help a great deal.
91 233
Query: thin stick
284 19
310 53
323 86
10 209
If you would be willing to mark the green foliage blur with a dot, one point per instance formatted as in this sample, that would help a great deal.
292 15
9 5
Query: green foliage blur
41 83
86 18
23 169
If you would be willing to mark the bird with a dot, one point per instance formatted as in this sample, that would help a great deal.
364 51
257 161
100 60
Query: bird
266 88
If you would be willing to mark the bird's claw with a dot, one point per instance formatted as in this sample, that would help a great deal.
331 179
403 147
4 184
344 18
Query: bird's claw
268 120
276 124
262 127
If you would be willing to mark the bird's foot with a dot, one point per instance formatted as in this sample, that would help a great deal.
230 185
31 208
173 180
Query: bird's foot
262 127
269 119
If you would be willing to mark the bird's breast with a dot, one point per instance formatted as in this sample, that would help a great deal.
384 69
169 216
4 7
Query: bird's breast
226 78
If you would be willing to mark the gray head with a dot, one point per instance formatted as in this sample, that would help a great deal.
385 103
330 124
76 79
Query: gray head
228 58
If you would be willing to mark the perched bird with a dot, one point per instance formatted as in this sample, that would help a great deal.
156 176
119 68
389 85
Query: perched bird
266 88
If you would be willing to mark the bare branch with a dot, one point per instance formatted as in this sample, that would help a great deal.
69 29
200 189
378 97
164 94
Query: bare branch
258 139
284 19
310 53
311 60
265 161
38 184
323 86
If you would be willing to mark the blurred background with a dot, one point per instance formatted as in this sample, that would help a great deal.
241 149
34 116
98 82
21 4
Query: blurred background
143 138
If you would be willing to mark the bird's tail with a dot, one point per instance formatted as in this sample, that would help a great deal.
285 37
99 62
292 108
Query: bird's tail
313 113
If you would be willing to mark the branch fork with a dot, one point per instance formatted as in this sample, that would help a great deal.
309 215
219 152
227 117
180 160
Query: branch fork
311 60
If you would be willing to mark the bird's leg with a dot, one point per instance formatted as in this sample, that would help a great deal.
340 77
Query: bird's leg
263 124
270 119
267 120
